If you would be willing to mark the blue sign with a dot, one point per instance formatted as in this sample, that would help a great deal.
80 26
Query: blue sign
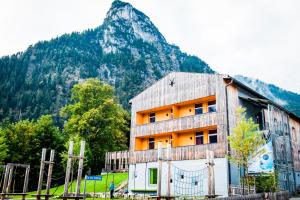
93 178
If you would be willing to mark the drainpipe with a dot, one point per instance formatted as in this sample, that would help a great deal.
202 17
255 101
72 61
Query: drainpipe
228 128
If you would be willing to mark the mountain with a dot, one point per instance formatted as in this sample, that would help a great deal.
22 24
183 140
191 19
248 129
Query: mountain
127 51
287 99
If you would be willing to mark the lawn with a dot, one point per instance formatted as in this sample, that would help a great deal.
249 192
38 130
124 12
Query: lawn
100 185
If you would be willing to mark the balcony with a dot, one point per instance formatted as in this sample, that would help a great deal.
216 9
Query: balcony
180 153
179 124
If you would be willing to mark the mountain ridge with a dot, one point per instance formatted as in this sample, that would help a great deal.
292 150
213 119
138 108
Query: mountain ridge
127 51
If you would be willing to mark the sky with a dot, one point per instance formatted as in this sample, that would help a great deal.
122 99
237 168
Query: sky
257 38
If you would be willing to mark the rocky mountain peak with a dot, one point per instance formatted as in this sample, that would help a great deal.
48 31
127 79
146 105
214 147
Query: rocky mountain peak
124 25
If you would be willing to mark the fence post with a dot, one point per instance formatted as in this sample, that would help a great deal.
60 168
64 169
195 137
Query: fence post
159 158
25 186
50 168
68 170
80 167
211 174
43 157
169 158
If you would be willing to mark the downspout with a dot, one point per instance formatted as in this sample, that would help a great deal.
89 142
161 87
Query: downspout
228 129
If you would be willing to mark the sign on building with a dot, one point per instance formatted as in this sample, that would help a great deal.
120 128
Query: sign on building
263 161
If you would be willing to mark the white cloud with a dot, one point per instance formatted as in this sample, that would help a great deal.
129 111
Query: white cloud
258 38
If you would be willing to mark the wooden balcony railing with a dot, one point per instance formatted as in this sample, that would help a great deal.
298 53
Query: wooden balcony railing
180 153
178 124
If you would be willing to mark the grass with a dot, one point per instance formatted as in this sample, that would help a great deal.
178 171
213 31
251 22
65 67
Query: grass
100 185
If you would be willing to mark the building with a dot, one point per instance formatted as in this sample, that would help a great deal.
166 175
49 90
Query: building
196 112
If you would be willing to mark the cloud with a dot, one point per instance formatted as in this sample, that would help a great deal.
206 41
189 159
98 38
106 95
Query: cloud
258 38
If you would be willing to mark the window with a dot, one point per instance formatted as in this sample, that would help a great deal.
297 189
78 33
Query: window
153 176
199 138
152 117
198 109
213 136
212 106
151 143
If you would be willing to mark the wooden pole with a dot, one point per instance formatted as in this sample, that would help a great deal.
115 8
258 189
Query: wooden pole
212 164
211 174
7 167
169 157
159 158
50 169
40 183
11 170
25 186
68 170
80 167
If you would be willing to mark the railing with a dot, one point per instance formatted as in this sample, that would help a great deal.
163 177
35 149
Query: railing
180 153
178 124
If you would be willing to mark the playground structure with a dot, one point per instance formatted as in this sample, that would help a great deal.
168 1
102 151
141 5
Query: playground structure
71 157
41 174
9 172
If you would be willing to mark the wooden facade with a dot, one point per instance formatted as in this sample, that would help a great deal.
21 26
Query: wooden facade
229 94
187 87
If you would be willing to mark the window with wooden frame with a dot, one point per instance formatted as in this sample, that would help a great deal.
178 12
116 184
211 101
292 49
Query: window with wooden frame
199 138
151 143
213 136
198 109
152 117
212 106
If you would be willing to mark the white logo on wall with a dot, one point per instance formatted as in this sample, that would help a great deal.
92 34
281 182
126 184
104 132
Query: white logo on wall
263 161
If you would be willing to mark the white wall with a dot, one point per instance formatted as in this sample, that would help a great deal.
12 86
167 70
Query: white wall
141 181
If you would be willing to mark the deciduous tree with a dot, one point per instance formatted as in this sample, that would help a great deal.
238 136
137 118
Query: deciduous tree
244 142
95 116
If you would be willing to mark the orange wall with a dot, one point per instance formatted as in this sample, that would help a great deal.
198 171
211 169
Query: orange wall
162 115
186 139
141 144
186 110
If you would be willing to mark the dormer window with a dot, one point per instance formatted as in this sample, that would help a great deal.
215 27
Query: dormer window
152 117
198 109
212 106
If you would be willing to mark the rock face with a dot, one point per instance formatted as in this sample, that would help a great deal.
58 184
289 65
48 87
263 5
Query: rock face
126 51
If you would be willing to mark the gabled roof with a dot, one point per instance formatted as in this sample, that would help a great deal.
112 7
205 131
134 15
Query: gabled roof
262 98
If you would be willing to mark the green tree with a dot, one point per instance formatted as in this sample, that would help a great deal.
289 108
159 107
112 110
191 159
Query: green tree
3 146
96 117
25 140
244 141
